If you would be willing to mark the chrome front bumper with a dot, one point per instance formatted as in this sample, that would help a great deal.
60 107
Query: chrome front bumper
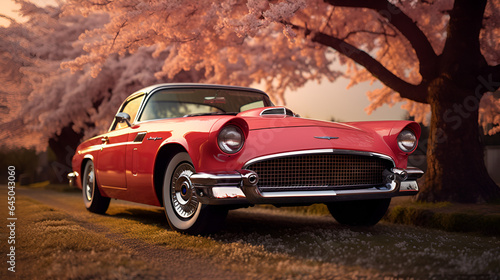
241 187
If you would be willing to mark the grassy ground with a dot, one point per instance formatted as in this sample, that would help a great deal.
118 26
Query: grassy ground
481 218
55 245
50 244
454 217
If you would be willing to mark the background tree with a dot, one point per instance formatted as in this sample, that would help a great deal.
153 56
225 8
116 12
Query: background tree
439 56
424 52
43 105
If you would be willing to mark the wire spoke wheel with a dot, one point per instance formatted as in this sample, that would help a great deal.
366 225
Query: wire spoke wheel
184 211
183 195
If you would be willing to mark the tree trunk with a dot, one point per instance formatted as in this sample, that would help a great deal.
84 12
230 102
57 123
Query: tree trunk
64 146
456 170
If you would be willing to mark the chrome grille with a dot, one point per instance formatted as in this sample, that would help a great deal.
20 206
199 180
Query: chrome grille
320 172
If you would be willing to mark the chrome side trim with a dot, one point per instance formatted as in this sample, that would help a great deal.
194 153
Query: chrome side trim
318 151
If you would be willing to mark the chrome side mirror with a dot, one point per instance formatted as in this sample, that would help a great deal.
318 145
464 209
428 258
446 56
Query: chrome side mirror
123 117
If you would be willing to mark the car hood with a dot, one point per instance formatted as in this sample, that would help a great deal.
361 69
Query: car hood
282 117
270 135
256 123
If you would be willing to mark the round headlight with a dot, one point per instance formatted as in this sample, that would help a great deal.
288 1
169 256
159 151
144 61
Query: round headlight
407 141
231 139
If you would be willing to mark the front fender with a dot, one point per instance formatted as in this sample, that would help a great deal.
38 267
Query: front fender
389 131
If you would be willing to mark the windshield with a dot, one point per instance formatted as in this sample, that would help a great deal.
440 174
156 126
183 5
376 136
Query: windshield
175 103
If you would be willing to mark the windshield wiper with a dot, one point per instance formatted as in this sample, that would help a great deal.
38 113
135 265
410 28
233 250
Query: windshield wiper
211 114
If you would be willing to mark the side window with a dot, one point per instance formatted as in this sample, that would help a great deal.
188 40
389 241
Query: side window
131 108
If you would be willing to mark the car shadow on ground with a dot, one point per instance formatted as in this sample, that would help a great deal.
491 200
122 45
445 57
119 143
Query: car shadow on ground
322 239
254 225
143 214
241 221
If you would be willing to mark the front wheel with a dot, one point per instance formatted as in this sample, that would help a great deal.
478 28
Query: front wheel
183 210
359 212
92 198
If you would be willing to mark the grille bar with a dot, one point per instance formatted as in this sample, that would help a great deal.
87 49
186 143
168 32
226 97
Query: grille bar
320 172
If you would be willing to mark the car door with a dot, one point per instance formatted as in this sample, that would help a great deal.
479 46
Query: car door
111 164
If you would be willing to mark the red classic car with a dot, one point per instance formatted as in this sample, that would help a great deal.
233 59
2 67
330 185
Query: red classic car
201 150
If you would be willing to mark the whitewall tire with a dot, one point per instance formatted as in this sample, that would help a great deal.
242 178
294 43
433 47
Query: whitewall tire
184 212
92 198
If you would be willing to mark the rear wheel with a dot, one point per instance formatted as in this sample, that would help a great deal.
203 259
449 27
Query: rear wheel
359 213
92 198
183 210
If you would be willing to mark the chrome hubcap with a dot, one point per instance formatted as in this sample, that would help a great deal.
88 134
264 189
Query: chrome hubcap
183 195
89 183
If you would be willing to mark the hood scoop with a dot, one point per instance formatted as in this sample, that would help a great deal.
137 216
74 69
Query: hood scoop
273 112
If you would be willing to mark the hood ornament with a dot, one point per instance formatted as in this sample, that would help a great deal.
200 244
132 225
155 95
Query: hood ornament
325 137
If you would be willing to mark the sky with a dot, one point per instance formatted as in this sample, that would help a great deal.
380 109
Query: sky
7 8
325 101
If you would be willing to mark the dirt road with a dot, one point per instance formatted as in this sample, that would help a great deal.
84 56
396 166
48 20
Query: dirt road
133 241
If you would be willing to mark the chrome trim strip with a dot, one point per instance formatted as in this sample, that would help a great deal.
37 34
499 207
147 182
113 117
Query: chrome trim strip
114 188
391 188
326 137
318 151
298 194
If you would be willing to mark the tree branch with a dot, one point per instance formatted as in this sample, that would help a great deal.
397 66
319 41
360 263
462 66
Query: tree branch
408 28
117 34
406 90
367 32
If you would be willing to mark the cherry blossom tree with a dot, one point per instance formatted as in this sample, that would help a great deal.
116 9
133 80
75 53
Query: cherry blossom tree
42 104
440 58
436 56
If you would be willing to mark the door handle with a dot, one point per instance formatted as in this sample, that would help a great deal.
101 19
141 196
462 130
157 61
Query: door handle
105 140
